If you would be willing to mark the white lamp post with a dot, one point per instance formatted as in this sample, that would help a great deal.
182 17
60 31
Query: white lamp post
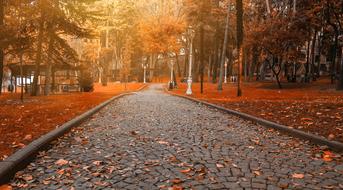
144 73
191 34
171 72
144 65
225 77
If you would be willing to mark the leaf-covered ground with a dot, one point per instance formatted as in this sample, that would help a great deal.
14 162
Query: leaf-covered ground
315 108
21 123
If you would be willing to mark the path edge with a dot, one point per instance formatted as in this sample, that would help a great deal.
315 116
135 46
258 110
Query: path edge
22 157
334 145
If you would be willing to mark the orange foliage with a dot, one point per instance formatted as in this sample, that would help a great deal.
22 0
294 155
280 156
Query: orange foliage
160 35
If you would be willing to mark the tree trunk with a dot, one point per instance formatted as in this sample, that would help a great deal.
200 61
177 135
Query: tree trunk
34 90
209 68
223 56
313 55
215 60
53 80
47 87
21 77
178 65
340 81
196 67
240 34
277 73
245 61
333 59
185 62
201 56
2 6
307 67
253 63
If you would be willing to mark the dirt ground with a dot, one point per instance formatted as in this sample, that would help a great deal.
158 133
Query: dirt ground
316 108
21 123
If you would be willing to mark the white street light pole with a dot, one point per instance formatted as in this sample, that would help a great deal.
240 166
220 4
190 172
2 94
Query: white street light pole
189 81
144 73
171 72
225 77
144 66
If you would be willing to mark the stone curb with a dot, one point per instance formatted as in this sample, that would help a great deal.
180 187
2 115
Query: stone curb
334 145
22 157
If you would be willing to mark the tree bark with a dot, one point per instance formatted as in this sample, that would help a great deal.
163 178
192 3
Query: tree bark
2 6
253 62
178 65
47 87
240 34
307 67
215 60
201 56
276 73
185 62
340 81
313 55
21 77
34 90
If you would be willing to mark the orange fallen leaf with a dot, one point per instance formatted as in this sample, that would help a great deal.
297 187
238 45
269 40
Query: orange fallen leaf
298 176
327 156
306 119
176 187
176 181
61 172
61 162
258 173
186 170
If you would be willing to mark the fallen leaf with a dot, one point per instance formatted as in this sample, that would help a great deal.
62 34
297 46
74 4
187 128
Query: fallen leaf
176 181
186 170
96 174
176 187
28 138
61 162
306 119
61 172
258 173
46 182
327 156
173 159
298 176
220 166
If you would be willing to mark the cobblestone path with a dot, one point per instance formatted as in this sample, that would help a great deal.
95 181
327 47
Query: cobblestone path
151 140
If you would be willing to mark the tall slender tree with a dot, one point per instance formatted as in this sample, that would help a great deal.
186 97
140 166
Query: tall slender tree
240 34
2 14
225 43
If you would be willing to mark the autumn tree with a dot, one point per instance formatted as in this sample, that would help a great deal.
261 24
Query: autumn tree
55 20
